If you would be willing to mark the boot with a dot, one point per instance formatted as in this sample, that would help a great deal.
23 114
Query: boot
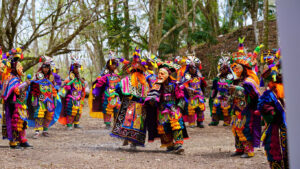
45 134
17 147
170 148
179 149
25 145
77 126
236 154
213 123
245 155
36 135
200 124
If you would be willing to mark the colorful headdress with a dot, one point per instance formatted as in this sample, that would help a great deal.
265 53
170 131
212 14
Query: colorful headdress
169 65
75 62
272 68
270 56
137 64
180 60
112 59
224 61
13 54
244 58
9 61
153 60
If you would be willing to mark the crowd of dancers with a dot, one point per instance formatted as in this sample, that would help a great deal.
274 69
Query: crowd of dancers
146 95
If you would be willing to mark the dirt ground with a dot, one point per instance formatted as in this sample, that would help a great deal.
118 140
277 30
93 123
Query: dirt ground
92 147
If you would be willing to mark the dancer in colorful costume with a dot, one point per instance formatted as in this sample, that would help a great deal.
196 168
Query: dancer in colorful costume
192 78
14 96
74 91
218 102
129 122
246 125
104 100
271 107
167 97
44 102
151 77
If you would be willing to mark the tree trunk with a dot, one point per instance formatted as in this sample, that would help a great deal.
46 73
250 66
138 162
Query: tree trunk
33 22
108 18
266 24
153 23
253 8
127 32
255 28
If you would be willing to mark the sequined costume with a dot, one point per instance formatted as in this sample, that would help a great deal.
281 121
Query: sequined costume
245 123
193 81
220 107
74 97
14 122
130 120
271 107
164 103
104 100
44 101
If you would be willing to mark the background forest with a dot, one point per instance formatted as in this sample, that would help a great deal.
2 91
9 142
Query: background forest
89 29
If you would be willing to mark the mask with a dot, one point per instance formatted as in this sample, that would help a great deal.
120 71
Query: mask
19 69
237 70
163 75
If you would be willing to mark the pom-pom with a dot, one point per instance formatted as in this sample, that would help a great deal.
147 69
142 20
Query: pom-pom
19 50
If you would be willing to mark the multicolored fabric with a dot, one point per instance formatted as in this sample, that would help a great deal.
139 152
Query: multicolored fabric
130 120
274 137
167 123
245 123
194 110
105 100
73 102
45 104
14 122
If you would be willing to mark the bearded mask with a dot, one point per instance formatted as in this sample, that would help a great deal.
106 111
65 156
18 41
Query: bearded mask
237 70
163 75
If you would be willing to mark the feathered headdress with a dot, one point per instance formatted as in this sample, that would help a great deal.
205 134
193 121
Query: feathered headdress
75 61
192 60
152 60
9 61
224 61
136 64
244 58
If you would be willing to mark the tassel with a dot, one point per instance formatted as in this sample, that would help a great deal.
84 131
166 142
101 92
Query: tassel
40 59
81 68
110 62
